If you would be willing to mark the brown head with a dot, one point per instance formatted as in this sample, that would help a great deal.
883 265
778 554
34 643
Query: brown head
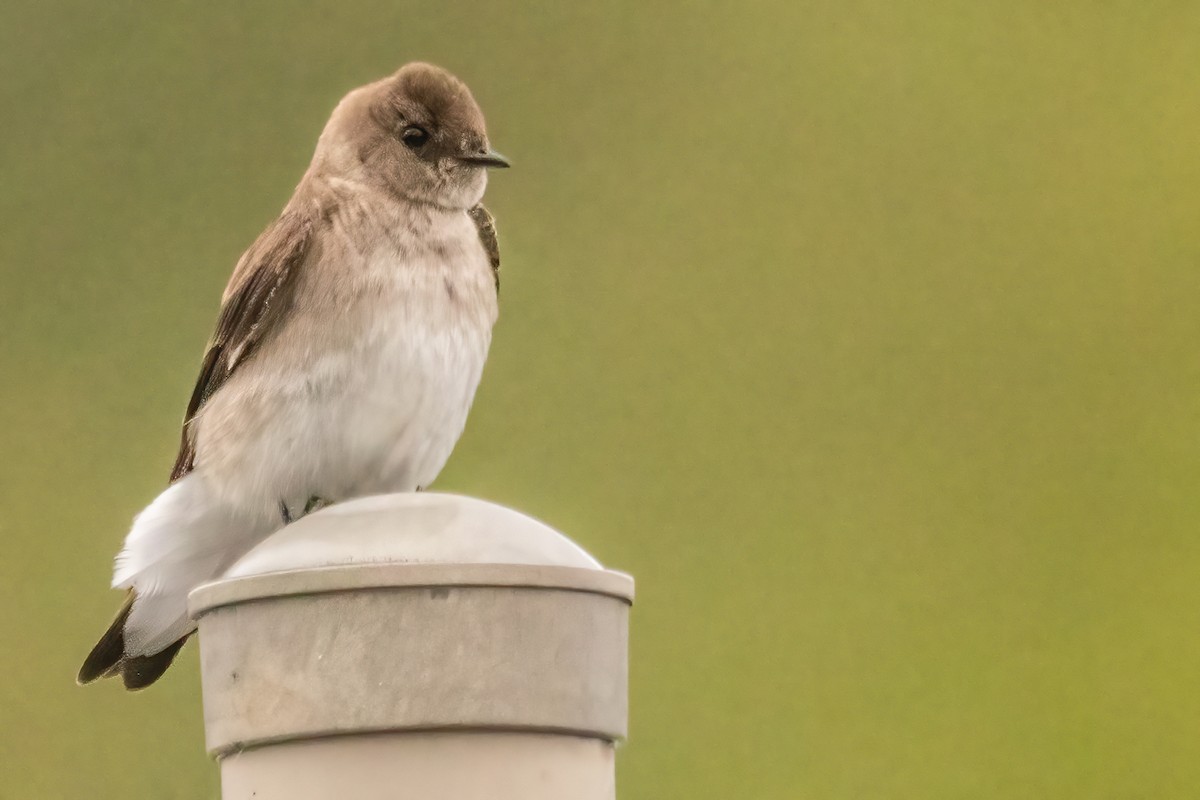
418 133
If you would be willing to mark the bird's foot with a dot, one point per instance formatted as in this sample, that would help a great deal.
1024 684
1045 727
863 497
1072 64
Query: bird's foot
315 504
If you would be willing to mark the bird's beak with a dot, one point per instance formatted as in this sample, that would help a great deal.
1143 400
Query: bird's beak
491 159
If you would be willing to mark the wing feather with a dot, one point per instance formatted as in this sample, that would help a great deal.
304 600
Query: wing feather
256 301
486 225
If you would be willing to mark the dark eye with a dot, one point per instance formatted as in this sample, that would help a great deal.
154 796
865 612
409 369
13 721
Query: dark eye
413 137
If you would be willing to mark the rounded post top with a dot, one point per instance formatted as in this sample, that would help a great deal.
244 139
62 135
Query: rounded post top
412 528
416 539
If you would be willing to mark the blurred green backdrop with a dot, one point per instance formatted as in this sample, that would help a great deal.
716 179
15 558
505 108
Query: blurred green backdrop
864 334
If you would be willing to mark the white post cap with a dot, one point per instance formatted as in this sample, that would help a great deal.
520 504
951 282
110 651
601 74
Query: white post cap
438 640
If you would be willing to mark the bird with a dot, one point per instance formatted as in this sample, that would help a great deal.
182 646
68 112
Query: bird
348 347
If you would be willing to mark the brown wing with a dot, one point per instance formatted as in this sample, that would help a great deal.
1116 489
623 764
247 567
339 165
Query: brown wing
256 300
487 236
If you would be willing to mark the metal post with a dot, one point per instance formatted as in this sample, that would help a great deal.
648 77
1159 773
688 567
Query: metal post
415 646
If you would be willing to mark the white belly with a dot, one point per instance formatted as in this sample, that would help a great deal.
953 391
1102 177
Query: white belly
373 401
389 420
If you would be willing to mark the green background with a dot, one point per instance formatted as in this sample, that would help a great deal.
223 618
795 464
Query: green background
862 333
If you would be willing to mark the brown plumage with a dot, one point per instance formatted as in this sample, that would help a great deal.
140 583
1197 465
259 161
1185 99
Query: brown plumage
284 298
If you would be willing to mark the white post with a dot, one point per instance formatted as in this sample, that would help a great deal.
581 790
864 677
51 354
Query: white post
415 646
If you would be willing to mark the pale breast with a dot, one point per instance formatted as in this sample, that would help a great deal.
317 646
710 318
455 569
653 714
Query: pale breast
367 387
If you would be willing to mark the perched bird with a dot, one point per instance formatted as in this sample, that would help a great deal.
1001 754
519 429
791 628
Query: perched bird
349 344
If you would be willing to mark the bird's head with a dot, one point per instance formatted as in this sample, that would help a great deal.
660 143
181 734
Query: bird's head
418 132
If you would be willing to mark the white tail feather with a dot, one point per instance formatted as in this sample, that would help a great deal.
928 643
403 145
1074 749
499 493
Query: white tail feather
182 539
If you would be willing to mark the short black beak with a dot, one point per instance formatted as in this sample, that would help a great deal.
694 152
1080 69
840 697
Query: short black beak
491 159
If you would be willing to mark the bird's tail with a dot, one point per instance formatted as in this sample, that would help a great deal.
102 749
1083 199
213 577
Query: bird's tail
183 538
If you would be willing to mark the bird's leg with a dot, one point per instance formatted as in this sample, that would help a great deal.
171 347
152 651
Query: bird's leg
315 504
284 513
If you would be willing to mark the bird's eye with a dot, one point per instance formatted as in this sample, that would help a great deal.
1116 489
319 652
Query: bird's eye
413 137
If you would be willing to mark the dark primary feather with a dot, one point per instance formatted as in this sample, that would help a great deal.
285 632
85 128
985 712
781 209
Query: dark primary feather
486 226
257 300
105 659
108 658
138 672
